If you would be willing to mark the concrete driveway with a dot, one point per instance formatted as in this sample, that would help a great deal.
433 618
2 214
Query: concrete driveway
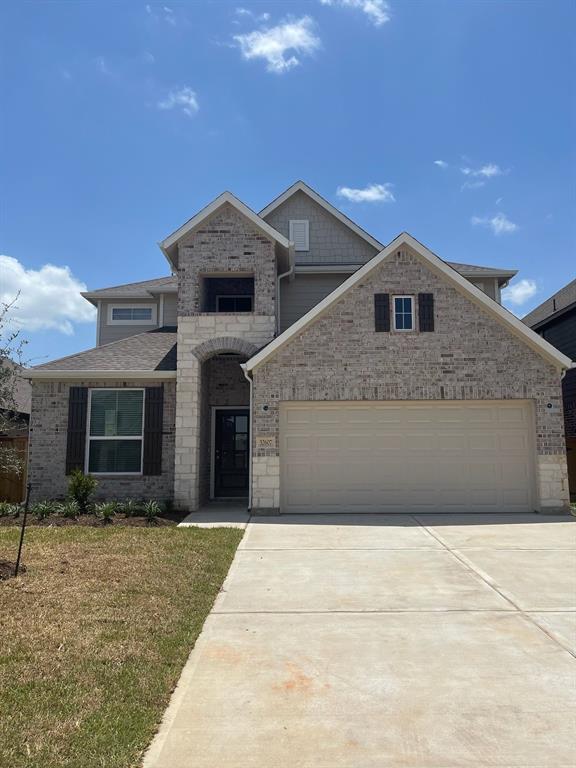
372 641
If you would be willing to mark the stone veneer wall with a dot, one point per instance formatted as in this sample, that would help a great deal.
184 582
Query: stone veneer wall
48 437
470 356
226 242
199 338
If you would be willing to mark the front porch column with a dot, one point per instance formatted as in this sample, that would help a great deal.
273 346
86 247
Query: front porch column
187 438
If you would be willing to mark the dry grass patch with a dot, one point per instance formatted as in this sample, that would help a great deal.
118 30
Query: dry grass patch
94 636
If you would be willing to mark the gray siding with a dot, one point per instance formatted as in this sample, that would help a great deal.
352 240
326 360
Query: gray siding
331 242
109 333
304 292
489 286
170 309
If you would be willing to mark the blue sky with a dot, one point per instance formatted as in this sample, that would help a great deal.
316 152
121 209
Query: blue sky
126 118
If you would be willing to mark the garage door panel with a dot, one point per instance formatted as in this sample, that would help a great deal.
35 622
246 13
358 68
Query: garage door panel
400 457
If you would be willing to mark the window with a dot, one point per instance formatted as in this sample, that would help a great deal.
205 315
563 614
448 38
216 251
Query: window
299 234
137 314
403 313
115 431
233 303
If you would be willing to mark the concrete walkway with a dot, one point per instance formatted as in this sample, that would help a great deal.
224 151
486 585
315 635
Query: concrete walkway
385 642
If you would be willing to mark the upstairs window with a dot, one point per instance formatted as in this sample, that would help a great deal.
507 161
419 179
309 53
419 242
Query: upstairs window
299 234
227 294
233 303
403 313
115 431
137 314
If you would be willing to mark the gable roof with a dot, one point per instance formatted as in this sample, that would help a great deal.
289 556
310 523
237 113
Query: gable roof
467 288
300 186
151 354
557 303
168 245
144 289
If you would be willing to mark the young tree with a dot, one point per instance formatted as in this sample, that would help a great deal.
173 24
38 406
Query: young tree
11 363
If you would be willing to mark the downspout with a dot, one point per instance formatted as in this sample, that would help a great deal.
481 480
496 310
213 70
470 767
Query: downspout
250 382
280 277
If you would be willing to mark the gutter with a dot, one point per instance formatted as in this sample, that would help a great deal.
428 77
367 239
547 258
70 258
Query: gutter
250 452
281 277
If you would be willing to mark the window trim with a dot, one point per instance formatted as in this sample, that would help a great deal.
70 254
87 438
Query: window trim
306 222
412 303
235 296
114 437
153 318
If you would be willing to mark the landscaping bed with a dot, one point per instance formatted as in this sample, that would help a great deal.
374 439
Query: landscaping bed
94 636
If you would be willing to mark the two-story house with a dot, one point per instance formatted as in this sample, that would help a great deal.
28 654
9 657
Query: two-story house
555 320
292 360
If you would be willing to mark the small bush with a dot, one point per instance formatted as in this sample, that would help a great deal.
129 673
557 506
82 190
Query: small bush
105 511
81 488
9 509
44 509
70 509
130 507
151 511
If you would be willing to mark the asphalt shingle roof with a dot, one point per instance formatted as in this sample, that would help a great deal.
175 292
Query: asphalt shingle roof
556 303
141 290
150 351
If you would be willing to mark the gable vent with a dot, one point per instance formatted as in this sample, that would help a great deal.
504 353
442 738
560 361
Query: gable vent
299 234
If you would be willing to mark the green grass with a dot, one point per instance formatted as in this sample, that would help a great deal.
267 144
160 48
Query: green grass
94 635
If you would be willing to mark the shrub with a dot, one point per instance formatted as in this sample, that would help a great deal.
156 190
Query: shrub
81 488
8 509
105 511
44 509
130 507
69 508
151 511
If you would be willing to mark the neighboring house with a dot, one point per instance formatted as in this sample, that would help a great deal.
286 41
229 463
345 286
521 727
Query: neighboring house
555 321
14 434
294 361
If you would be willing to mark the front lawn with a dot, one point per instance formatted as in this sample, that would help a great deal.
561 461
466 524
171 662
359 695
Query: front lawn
94 634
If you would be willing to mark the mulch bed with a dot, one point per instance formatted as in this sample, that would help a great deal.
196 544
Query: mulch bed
7 569
166 518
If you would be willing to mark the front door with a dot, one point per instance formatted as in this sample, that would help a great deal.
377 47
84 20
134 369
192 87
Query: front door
231 452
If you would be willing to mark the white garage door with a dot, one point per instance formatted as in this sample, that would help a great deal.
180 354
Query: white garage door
407 457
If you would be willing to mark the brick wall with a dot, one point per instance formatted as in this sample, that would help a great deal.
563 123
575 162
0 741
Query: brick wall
470 356
226 242
48 436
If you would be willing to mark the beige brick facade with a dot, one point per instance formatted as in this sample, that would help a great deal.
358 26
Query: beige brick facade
469 356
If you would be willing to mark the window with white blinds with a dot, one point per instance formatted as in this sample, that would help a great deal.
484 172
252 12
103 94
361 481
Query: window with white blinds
115 433
299 234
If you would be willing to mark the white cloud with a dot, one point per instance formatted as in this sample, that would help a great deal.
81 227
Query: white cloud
372 193
519 293
49 297
500 224
161 13
441 163
181 98
251 15
487 171
377 11
473 184
279 45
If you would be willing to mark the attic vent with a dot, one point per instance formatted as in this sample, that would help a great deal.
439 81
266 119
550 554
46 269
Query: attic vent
299 234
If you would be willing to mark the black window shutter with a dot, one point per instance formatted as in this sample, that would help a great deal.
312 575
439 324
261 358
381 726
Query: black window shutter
426 311
153 418
76 440
381 312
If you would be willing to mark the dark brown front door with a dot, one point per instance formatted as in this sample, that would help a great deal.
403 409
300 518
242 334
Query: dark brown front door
231 452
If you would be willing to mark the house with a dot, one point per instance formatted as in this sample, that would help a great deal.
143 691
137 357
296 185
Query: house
293 361
555 321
